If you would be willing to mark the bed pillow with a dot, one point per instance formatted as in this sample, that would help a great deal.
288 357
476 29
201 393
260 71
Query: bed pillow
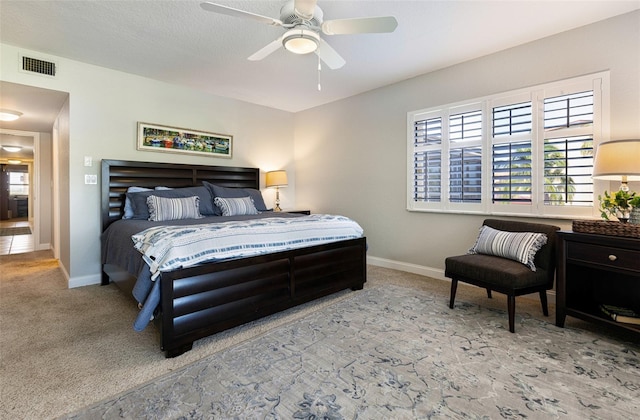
139 200
226 192
128 207
161 208
517 246
235 206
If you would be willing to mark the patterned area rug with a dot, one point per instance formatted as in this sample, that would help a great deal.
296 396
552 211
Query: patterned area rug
399 353
12 231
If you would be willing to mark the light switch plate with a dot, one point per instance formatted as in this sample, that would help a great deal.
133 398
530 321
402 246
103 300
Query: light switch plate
88 161
90 179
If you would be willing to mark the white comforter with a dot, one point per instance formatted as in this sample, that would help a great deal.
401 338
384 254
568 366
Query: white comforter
167 248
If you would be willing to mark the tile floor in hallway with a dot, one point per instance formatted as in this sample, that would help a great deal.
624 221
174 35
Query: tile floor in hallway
15 244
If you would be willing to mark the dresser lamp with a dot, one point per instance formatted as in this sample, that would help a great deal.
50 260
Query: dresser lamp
618 160
276 179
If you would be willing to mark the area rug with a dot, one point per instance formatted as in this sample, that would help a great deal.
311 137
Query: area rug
396 352
13 231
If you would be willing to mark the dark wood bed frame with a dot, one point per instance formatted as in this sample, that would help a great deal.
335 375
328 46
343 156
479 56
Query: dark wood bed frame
200 301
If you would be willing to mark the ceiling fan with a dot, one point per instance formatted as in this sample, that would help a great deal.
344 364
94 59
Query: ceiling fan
303 20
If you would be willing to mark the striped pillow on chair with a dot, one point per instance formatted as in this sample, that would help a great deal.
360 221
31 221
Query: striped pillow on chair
517 246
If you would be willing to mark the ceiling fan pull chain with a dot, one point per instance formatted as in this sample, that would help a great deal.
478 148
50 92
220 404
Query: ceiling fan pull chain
319 69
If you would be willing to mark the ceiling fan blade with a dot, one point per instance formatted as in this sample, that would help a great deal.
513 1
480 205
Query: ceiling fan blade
330 57
366 25
266 50
305 8
230 11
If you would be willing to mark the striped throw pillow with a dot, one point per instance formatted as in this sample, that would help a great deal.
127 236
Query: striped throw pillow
236 206
162 208
517 246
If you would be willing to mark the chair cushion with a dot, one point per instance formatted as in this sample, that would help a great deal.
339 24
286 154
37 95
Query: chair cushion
501 274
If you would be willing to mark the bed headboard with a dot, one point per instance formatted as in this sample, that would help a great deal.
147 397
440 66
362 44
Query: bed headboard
118 175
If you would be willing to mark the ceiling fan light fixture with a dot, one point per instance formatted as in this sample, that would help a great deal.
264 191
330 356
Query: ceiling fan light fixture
9 115
300 41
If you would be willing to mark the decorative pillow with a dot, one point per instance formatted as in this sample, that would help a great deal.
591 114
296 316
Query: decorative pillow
226 192
236 206
161 208
141 210
128 207
517 246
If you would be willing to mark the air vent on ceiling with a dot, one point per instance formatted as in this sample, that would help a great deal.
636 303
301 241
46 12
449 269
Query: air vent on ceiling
35 65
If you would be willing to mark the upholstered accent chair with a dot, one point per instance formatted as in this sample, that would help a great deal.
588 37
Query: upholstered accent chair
492 262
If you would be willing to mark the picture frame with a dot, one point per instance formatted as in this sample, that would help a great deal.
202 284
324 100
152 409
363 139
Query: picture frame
160 138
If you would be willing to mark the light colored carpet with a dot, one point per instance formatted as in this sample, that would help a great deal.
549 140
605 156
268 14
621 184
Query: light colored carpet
394 352
64 349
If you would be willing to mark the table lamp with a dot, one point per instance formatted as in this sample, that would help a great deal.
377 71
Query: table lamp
276 179
618 160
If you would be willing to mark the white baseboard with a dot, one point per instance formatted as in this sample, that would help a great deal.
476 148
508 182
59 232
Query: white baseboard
64 273
437 273
42 247
422 270
84 280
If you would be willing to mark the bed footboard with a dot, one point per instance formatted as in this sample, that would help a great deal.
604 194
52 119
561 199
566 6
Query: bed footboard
203 300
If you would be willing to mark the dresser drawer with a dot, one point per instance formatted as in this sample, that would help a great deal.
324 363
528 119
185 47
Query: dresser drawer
622 259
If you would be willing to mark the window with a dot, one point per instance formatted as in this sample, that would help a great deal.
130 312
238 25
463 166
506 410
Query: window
18 183
465 157
526 152
426 163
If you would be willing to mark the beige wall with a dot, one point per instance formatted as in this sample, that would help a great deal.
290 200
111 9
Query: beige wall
63 240
43 200
351 155
100 121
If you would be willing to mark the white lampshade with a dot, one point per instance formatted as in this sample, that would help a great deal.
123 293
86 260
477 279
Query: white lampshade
618 160
276 179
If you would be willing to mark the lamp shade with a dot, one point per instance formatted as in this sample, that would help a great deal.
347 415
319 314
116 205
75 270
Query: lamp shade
276 179
618 160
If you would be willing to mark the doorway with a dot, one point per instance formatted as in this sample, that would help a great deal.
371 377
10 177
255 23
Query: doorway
40 108
17 221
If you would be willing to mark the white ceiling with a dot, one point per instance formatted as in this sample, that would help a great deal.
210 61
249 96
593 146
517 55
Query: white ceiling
179 42
39 107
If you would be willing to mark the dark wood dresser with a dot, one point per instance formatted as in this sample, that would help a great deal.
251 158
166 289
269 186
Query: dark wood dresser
593 270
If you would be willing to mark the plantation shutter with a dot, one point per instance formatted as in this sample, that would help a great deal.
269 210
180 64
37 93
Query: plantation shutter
511 157
568 159
427 167
465 157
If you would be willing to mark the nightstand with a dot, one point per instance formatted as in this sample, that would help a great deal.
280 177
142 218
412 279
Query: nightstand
594 270
307 212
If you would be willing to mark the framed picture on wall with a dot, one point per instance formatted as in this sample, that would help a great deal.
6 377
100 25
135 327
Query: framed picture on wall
160 138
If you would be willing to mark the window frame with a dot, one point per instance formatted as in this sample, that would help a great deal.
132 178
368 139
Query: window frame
599 83
22 186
